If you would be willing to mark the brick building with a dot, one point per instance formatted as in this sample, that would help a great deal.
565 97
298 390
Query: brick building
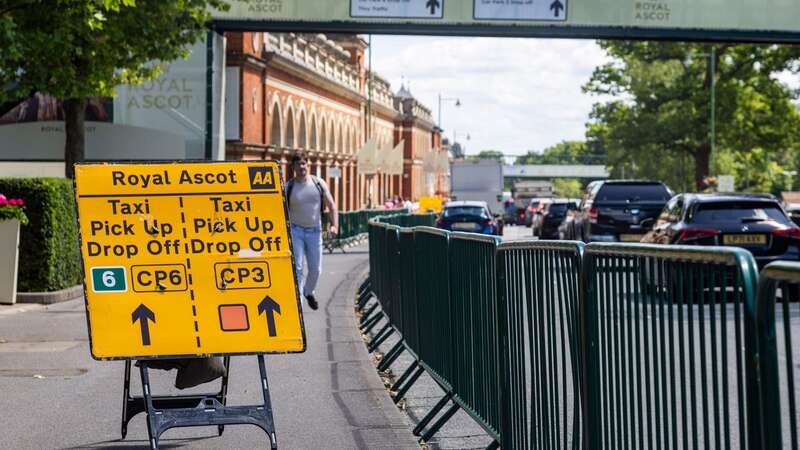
312 92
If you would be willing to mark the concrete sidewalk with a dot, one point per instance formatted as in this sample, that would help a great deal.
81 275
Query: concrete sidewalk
329 397
343 401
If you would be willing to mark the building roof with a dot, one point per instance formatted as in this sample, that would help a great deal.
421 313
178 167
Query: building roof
404 92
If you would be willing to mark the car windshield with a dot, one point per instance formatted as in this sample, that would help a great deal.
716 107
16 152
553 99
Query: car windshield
561 208
739 212
465 211
633 193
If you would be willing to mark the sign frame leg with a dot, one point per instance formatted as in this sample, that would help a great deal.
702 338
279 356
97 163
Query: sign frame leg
133 405
164 413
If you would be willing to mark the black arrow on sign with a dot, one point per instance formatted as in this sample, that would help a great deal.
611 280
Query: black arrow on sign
143 314
433 4
556 6
270 307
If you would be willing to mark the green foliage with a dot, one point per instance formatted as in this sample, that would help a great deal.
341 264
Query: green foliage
567 187
49 257
456 150
566 152
488 154
9 212
657 123
74 49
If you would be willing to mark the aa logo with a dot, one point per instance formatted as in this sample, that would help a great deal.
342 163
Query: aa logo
262 177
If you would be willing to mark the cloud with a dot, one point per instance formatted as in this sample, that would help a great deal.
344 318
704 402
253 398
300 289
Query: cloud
516 94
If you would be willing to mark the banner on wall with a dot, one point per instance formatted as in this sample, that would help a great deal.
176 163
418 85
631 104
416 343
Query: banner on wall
394 160
367 158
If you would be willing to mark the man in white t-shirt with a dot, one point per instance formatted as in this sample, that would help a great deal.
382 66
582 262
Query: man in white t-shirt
307 195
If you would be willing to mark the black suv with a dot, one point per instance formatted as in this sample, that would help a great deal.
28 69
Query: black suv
619 211
755 222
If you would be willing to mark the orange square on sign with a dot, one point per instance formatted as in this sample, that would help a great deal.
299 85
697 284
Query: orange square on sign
233 318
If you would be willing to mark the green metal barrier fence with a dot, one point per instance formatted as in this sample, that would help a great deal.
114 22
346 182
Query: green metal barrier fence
666 330
778 304
353 226
539 286
607 346
433 291
473 294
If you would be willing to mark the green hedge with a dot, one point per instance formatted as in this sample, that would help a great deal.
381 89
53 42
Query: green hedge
49 256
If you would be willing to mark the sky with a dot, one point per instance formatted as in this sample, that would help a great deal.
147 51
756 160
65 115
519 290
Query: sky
516 94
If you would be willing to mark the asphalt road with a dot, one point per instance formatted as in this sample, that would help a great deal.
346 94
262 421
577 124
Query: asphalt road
55 396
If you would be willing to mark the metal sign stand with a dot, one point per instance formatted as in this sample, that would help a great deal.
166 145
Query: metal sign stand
165 412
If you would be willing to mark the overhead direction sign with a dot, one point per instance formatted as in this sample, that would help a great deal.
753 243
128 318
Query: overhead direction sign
748 20
520 9
411 9
187 259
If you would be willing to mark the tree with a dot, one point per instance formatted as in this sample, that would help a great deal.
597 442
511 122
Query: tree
657 122
74 49
567 187
489 154
565 152
456 150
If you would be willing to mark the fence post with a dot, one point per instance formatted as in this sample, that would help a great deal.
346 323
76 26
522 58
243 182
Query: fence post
506 436
591 364
767 364
755 436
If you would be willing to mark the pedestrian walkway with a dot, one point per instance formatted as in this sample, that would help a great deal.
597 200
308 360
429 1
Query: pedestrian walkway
328 397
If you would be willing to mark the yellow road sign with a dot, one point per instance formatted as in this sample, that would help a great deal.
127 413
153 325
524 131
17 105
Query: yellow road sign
187 259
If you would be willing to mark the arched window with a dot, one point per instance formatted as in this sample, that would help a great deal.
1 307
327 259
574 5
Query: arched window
313 144
290 129
302 137
331 142
275 133
338 142
323 140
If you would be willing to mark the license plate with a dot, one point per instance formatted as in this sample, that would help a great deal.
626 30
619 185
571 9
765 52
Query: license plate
744 239
630 237
464 226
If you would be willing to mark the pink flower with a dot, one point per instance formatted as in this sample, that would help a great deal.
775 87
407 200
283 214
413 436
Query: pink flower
12 202
20 202
3 201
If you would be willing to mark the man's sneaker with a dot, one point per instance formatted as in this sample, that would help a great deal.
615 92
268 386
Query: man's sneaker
312 302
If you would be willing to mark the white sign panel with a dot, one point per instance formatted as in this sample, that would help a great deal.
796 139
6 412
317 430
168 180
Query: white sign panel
409 9
335 172
521 10
725 183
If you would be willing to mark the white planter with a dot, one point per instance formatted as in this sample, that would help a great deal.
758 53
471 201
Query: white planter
9 257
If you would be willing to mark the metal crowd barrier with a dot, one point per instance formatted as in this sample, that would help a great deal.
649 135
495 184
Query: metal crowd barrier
539 285
778 327
603 346
475 344
353 226
666 334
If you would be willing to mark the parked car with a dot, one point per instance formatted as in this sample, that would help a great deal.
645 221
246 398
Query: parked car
513 215
533 206
470 217
547 220
619 211
754 222
794 213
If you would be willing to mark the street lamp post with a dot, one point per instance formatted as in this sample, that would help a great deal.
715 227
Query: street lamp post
455 140
446 99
